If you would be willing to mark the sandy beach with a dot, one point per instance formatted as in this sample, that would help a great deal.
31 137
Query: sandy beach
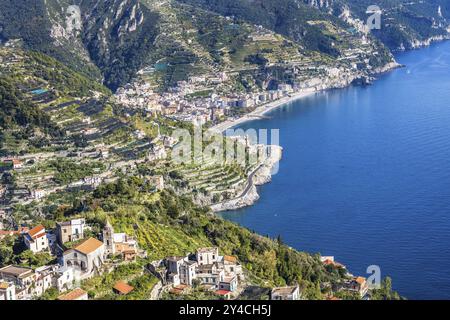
261 110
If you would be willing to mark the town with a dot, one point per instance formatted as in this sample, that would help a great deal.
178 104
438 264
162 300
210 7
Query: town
80 258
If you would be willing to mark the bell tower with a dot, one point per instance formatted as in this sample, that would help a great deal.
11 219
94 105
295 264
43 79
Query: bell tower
108 239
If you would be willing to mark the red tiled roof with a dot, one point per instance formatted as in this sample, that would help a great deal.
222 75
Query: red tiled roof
123 288
36 230
222 292
73 295
89 246
230 259
360 280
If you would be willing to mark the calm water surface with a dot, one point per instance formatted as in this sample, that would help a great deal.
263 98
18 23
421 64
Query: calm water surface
366 176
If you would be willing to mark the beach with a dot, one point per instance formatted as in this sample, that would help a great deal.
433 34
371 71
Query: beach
262 110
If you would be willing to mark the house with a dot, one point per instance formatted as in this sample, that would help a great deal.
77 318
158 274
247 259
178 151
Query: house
103 153
22 278
207 255
126 246
232 266
76 294
20 231
285 293
157 181
225 294
69 231
210 274
86 259
229 284
36 239
174 263
122 288
43 280
63 279
38 194
188 273
127 251
93 181
119 243
15 163
359 285
7 291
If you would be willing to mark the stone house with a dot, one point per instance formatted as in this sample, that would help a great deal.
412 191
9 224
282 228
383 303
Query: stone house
69 231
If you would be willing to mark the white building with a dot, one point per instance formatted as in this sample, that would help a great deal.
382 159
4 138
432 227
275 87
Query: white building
38 194
36 239
285 293
206 256
187 272
63 279
43 280
7 291
86 259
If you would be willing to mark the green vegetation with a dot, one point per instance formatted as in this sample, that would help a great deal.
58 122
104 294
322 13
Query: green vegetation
17 111
13 251
165 224
101 287
68 171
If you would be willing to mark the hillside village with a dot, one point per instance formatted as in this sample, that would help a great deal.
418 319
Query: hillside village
79 257
88 141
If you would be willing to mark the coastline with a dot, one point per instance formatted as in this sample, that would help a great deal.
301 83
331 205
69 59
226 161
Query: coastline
249 197
262 110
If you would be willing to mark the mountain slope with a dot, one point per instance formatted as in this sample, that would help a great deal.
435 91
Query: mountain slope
405 24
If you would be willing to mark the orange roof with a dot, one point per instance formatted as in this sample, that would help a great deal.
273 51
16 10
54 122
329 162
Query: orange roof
123 288
73 295
180 289
4 285
89 246
33 232
230 259
333 298
8 232
222 292
360 280
125 248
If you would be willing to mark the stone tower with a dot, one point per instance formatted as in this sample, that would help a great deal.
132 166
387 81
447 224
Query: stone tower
108 239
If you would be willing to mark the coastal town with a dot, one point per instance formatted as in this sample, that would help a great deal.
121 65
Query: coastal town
102 145
93 202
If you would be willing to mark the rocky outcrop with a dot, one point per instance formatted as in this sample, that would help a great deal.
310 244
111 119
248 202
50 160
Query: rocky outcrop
246 200
262 175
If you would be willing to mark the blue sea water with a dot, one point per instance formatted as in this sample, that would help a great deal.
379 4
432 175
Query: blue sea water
365 175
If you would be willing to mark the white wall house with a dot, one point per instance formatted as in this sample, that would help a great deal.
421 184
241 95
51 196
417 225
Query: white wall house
86 259
7 291
207 256
285 293
36 239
